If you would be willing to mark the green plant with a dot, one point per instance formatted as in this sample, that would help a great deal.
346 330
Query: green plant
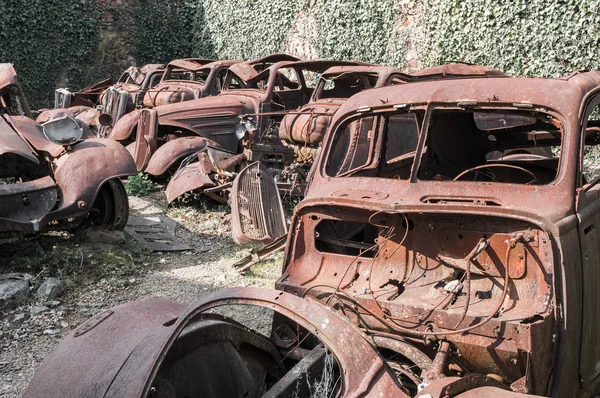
50 42
523 37
138 185
69 42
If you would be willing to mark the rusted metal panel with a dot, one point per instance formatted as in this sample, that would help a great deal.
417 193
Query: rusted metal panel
11 142
145 144
152 330
457 70
89 359
125 127
191 177
173 151
256 210
82 171
155 233
261 254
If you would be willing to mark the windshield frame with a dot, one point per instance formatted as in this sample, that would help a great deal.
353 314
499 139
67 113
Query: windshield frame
424 131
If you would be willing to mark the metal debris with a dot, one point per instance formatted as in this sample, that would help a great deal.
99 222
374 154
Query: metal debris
156 233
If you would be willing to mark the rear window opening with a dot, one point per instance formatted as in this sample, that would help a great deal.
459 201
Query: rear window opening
199 76
346 85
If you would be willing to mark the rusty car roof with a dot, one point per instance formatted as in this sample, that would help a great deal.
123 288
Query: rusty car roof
218 64
276 57
457 70
192 64
551 93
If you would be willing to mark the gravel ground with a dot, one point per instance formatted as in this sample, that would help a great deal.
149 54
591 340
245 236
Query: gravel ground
121 272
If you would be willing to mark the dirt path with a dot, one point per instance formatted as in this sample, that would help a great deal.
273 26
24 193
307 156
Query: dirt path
100 275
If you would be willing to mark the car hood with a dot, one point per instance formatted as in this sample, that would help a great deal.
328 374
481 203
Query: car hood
205 106
12 142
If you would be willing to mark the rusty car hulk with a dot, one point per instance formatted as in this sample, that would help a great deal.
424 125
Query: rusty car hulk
284 134
203 142
188 79
134 79
447 247
304 129
50 176
100 106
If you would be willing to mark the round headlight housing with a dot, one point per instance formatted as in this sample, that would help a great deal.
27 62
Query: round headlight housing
244 125
63 130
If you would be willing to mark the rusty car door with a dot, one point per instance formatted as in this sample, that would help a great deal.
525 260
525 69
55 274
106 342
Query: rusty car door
588 215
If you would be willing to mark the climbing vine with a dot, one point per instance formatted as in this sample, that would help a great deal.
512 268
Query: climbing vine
521 37
64 43
50 42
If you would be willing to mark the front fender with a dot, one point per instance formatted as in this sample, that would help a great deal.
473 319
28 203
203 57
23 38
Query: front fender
169 153
80 173
125 126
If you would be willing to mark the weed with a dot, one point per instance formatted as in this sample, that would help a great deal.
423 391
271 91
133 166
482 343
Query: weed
74 257
138 185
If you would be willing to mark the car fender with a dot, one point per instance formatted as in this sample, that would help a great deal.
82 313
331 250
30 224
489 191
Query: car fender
191 177
80 173
125 126
168 154
118 352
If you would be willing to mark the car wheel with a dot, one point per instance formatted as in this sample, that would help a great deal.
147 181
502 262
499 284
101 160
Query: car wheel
111 208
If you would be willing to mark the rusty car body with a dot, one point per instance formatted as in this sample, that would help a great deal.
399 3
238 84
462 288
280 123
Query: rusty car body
188 79
447 247
50 175
204 141
266 98
101 105
183 117
132 80
288 138
307 125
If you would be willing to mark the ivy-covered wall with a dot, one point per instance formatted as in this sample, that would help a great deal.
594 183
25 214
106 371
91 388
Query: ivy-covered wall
50 42
521 37
76 42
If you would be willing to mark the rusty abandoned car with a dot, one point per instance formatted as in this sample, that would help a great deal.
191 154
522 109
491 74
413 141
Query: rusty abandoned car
134 79
98 107
50 177
188 79
447 247
203 141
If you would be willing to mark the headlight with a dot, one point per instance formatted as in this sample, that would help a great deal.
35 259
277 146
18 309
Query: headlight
63 130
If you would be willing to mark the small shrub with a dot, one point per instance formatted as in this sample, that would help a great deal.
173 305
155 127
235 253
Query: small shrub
138 185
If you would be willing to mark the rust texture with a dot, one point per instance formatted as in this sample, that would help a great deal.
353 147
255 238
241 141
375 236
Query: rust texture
436 214
188 79
243 120
45 184
447 245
